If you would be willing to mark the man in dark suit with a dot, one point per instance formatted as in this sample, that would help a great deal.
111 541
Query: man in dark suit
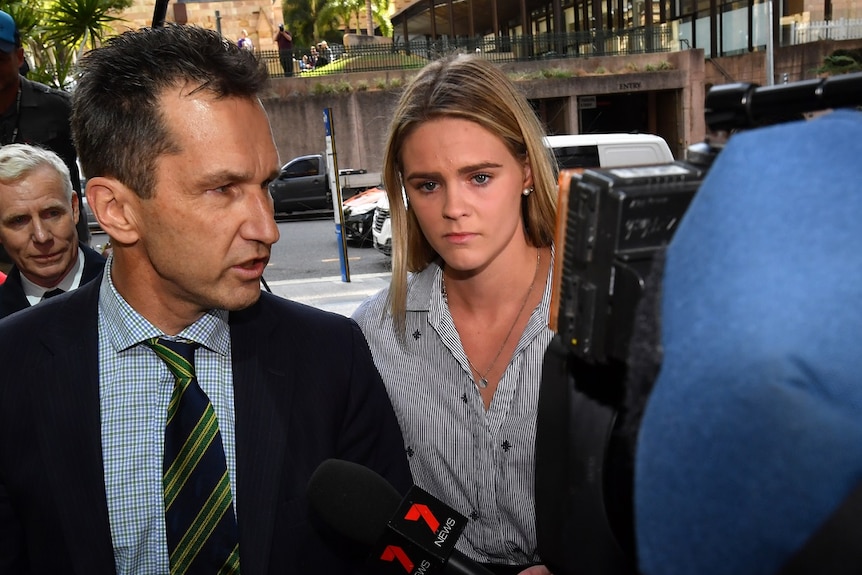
179 151
38 212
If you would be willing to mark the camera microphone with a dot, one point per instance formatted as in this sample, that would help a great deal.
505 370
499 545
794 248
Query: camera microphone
413 535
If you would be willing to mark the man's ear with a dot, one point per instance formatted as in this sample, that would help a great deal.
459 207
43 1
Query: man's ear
114 206
76 207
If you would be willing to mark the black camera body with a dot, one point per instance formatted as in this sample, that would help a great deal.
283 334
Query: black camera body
614 221
618 218
613 226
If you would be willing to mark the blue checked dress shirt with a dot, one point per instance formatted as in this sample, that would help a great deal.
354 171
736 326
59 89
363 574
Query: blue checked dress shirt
135 388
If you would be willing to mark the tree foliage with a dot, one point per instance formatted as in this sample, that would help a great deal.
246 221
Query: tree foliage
301 18
841 62
313 20
54 32
79 22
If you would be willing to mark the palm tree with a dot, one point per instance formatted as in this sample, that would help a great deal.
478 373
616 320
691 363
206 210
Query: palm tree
76 23
336 12
369 18
55 33
48 64
303 19
347 11
380 12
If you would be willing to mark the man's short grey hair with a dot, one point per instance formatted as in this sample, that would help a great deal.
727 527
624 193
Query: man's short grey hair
17 161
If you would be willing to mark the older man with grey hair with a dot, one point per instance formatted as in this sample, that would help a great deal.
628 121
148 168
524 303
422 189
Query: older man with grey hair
38 212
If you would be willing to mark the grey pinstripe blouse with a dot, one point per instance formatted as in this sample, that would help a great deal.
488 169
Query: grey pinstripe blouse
479 462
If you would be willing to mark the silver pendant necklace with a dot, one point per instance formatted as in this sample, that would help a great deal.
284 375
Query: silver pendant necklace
482 383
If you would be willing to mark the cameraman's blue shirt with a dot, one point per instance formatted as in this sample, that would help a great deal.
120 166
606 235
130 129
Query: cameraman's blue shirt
753 433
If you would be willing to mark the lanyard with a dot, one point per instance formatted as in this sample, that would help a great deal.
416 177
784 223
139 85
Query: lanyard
17 117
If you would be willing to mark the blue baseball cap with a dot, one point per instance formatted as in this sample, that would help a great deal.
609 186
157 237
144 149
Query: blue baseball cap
8 33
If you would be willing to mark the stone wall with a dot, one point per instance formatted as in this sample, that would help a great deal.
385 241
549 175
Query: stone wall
361 117
359 121
798 62
259 17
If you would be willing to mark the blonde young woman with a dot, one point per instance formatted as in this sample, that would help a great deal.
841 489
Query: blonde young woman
459 335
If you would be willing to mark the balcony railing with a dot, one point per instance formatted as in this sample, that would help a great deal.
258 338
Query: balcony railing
841 29
416 53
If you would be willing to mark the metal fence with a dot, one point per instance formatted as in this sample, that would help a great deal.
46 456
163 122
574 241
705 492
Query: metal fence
416 53
841 29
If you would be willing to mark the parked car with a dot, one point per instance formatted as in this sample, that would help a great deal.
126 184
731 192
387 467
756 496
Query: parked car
303 184
381 231
86 212
573 151
583 151
358 213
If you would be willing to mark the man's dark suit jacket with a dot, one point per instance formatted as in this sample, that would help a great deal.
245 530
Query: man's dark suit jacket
305 389
12 296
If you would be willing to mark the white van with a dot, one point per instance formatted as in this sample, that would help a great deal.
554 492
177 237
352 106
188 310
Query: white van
573 152
582 151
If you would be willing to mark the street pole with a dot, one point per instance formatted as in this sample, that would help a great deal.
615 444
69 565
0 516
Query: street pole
335 186
770 49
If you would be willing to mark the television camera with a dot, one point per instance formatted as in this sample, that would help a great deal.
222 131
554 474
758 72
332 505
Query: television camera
613 225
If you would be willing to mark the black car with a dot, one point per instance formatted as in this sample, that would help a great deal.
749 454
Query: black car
86 212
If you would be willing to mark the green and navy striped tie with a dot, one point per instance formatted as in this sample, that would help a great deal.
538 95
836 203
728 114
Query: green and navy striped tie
201 525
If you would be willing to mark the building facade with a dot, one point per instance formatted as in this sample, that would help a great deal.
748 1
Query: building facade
660 92
718 27
260 18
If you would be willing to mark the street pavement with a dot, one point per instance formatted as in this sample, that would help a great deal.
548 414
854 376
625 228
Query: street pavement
331 293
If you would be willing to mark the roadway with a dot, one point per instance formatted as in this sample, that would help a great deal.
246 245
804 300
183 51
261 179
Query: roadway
305 265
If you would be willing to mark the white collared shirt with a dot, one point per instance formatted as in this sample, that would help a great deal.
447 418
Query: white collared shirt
71 281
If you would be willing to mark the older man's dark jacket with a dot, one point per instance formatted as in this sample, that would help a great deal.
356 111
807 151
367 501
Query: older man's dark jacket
12 297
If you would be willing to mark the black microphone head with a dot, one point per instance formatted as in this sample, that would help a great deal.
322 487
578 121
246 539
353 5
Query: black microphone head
352 499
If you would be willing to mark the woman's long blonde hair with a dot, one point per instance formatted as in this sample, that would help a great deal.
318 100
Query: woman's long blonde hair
471 88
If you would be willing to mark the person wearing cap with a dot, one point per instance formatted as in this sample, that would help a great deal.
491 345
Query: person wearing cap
33 113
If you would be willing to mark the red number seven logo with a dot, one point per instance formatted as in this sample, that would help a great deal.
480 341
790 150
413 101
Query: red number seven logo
418 511
393 552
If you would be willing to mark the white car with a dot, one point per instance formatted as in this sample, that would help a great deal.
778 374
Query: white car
381 230
359 215
573 151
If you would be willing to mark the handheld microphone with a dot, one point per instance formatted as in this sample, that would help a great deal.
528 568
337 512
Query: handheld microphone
415 535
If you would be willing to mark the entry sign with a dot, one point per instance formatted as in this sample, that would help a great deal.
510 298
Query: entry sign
420 537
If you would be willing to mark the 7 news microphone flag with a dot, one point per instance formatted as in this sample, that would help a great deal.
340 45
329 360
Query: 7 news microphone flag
414 535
